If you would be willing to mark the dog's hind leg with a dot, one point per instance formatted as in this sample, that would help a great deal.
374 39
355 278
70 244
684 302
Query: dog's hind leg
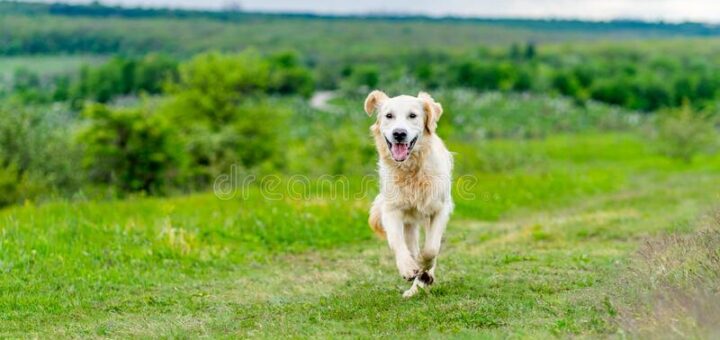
375 219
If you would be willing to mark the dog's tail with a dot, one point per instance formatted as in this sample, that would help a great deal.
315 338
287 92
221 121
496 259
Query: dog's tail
375 219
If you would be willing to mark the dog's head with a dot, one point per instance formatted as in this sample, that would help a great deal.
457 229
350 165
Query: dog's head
403 121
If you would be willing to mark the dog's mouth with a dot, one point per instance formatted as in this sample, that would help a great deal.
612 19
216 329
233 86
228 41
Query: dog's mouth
400 151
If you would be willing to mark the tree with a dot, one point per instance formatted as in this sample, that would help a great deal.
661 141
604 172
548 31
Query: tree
530 50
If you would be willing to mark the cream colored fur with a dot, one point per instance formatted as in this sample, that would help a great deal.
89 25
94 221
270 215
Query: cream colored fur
414 193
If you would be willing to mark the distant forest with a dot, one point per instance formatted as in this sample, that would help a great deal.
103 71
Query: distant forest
97 9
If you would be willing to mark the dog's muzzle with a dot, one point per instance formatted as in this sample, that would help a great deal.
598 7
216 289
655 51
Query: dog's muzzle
400 151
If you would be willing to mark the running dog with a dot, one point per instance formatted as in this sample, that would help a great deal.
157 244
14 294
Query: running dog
415 171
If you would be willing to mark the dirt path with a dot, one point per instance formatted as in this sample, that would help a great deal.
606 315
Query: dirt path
320 100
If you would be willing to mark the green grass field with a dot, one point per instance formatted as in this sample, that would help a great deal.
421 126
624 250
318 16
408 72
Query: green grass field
539 250
586 181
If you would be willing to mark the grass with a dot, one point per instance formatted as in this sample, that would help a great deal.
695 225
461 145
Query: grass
541 256
674 285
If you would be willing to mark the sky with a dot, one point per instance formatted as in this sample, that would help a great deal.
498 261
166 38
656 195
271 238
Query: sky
653 10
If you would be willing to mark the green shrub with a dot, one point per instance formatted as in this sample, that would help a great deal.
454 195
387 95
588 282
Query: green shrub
342 150
612 90
17 186
120 76
566 83
483 75
36 153
212 85
9 185
364 76
289 76
152 72
102 83
218 106
250 138
130 149
682 133
650 94
27 86
524 80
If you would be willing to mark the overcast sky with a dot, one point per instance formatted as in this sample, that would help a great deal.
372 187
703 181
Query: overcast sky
669 10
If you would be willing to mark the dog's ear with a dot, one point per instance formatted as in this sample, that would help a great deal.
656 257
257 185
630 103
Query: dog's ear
374 100
433 111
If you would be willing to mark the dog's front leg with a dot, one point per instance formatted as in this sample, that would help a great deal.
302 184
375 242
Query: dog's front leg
433 239
412 240
394 228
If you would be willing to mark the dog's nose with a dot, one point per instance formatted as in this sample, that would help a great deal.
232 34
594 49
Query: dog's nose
400 134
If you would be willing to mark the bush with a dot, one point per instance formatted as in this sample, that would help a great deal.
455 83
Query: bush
367 76
36 155
682 133
483 75
9 189
650 94
102 83
152 72
613 90
27 86
219 107
130 149
288 76
121 76
249 139
343 150
17 187
524 80
568 84
212 85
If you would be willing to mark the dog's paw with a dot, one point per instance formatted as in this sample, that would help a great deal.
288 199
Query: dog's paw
411 292
408 268
426 278
409 274
417 285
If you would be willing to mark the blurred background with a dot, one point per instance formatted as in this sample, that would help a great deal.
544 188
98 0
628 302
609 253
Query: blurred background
117 117
160 99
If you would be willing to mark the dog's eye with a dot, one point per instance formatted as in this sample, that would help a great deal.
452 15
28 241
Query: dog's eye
388 116
412 115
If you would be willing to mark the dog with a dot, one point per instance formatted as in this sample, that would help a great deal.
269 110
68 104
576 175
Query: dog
415 171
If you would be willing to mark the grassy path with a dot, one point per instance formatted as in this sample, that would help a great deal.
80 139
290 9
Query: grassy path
531 274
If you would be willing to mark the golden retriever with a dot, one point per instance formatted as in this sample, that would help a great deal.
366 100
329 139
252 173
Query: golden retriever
415 171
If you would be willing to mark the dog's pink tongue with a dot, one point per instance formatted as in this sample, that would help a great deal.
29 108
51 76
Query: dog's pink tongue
399 151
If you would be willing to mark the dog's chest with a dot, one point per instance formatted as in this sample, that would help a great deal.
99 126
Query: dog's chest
417 195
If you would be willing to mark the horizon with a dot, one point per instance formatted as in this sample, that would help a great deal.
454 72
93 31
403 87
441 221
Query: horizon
670 11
